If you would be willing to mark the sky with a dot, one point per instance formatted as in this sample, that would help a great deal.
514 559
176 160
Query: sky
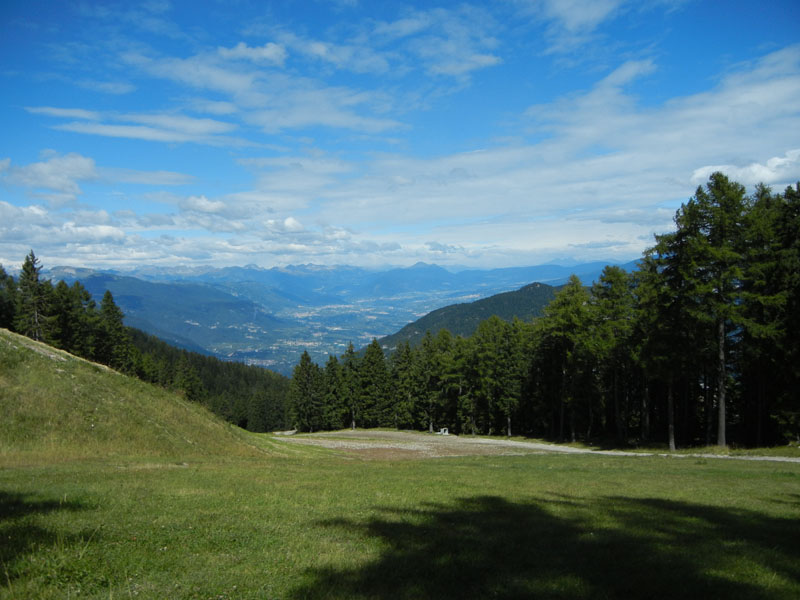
377 133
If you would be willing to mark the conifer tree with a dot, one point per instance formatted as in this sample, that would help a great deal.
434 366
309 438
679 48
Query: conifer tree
114 346
402 385
306 394
31 312
373 384
351 396
8 299
335 413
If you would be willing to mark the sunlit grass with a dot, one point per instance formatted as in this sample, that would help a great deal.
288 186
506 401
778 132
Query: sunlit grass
161 500
310 524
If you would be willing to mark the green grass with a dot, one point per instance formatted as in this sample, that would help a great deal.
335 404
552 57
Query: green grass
143 513
312 525
57 407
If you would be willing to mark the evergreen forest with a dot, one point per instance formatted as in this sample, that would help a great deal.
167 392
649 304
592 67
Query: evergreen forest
67 317
698 346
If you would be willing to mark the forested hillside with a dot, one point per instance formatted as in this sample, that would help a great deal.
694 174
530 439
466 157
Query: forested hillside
463 319
698 346
68 318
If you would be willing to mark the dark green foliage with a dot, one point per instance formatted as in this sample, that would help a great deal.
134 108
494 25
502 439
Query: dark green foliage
306 395
113 346
373 387
8 299
32 300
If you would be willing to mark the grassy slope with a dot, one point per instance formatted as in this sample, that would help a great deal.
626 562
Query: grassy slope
57 407
187 507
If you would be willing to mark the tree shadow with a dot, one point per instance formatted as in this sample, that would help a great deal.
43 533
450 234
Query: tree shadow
489 547
19 535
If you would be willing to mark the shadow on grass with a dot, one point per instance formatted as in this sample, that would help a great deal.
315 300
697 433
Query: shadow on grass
19 534
488 547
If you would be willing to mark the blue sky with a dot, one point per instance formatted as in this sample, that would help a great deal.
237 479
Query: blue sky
516 132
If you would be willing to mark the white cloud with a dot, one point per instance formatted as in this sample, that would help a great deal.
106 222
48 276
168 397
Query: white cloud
359 58
304 105
269 52
202 204
292 224
201 71
180 124
782 170
144 177
67 113
448 42
108 87
169 128
58 176
571 24
577 16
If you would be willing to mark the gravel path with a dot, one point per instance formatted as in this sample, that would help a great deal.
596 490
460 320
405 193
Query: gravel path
402 444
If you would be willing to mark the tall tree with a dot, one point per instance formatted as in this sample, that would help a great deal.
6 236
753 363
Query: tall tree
401 376
711 225
305 394
373 386
8 299
351 395
335 412
31 313
614 302
565 343
114 346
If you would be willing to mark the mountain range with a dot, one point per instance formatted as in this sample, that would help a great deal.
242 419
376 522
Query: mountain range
269 316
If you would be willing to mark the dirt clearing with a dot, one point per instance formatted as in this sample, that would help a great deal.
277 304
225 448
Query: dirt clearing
399 445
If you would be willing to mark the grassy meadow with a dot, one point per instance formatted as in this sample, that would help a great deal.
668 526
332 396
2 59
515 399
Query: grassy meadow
112 489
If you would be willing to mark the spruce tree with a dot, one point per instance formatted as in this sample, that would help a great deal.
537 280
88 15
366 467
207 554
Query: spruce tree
8 299
305 393
31 312
114 346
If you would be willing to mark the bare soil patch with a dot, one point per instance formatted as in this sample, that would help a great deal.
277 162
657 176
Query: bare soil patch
399 445
402 445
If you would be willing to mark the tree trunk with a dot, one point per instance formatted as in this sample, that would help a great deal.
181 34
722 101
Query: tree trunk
709 408
572 436
509 426
646 412
617 419
671 416
721 377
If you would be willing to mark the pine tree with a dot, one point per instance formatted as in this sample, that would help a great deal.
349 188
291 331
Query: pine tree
31 312
8 299
614 303
351 395
402 385
566 345
335 412
373 387
305 395
187 381
114 347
